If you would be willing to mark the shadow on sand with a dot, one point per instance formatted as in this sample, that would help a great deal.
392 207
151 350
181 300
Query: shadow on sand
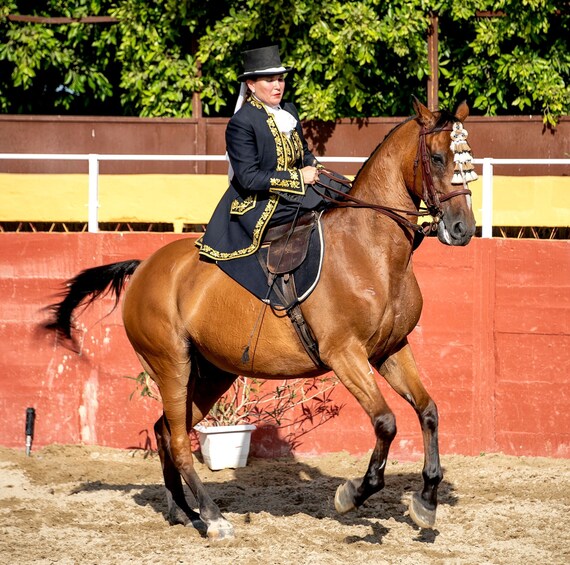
287 486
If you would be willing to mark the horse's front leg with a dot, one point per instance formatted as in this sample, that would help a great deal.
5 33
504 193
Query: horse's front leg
357 375
401 372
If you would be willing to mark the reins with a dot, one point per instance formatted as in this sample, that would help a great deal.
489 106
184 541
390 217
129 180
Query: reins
350 201
429 195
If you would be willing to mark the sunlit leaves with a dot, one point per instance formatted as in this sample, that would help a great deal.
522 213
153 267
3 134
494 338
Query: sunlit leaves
516 63
354 58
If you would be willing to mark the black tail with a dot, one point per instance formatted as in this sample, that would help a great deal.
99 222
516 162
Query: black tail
85 288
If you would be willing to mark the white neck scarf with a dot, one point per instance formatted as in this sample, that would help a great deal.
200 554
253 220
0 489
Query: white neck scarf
286 123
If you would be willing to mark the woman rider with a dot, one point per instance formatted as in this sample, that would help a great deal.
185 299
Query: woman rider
272 171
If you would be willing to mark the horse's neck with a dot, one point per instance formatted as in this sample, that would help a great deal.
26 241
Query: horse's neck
388 173
384 181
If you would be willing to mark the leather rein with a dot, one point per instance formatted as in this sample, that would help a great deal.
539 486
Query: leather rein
429 195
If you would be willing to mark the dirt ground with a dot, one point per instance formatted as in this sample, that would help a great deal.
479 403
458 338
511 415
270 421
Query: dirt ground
70 504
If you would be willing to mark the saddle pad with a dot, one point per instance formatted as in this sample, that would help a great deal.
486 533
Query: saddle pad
248 272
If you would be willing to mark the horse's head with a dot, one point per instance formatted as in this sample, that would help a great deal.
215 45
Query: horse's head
442 170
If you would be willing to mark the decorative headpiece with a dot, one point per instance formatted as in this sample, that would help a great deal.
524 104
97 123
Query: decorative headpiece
463 167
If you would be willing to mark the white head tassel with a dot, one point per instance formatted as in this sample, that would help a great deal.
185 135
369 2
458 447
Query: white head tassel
463 170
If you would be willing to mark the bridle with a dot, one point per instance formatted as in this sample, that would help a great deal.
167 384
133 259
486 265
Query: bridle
430 196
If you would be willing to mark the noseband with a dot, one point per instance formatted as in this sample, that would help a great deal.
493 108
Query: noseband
430 196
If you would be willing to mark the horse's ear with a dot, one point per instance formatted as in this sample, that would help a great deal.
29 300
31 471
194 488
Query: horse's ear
462 111
425 117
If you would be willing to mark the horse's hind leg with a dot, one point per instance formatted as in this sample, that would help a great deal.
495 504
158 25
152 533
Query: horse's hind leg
205 393
401 372
177 389
179 512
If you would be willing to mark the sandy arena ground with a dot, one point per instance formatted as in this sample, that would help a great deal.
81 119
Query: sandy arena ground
94 505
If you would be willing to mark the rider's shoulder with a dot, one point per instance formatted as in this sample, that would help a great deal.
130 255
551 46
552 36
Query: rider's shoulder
246 113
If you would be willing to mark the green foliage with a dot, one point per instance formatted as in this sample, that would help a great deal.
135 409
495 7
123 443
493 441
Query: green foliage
296 406
158 74
517 63
55 68
352 59
144 386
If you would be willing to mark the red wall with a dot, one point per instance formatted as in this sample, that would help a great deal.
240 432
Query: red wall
493 346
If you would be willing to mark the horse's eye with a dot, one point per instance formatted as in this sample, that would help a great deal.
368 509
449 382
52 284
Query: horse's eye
437 159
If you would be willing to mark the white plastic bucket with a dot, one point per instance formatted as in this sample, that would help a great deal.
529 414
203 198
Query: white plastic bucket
225 447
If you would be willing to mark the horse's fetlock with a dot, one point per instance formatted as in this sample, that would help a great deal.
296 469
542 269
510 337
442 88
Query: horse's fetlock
376 482
432 478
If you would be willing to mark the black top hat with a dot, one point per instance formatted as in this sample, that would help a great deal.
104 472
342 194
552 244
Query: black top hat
262 62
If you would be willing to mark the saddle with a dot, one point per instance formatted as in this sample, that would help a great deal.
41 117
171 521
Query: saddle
283 251
286 268
288 244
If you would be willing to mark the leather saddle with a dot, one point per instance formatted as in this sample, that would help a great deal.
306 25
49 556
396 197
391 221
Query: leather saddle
288 244
284 249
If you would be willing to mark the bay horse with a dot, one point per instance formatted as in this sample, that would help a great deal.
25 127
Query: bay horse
188 322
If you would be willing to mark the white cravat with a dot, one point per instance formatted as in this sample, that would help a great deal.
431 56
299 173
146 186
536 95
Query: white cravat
286 123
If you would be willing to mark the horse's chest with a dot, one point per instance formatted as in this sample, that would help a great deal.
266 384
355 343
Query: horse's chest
401 313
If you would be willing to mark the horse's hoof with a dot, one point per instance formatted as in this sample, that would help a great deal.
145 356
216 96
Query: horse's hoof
422 516
220 530
344 498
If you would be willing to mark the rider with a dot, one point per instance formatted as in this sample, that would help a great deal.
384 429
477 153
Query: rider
272 171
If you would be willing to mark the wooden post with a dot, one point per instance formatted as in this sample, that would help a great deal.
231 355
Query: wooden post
196 100
196 105
200 125
433 59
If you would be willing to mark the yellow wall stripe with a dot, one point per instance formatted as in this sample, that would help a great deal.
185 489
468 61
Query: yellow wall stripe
191 199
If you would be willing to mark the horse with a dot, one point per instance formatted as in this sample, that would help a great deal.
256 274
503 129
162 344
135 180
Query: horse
188 321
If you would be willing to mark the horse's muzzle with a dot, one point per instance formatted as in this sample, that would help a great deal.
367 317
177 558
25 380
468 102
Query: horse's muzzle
455 231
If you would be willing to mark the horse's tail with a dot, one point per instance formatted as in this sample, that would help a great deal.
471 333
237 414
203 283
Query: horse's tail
85 288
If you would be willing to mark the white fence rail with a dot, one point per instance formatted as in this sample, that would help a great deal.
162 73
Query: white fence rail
94 159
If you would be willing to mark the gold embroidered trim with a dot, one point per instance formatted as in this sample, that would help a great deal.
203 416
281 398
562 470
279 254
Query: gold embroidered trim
256 104
256 240
279 149
289 149
286 157
294 185
240 207
297 146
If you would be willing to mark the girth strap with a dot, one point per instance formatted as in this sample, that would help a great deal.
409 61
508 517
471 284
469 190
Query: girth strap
299 323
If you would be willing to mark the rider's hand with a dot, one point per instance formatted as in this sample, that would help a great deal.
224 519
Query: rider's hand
310 175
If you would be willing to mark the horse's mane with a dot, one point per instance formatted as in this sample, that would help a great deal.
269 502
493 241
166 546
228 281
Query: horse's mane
443 118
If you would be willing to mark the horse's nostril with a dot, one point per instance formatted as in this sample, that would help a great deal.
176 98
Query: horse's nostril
458 229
